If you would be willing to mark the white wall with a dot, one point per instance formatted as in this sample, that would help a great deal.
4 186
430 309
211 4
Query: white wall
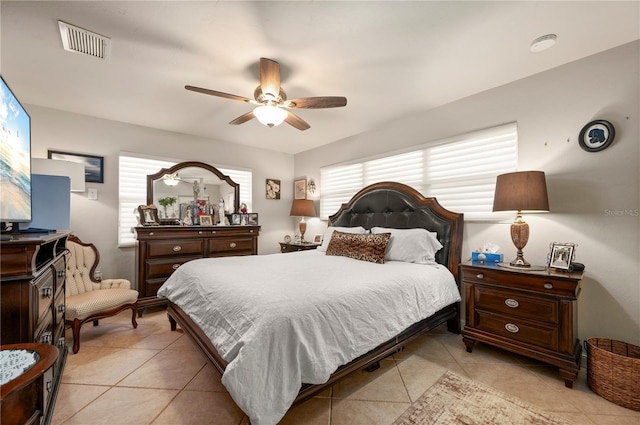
97 221
594 197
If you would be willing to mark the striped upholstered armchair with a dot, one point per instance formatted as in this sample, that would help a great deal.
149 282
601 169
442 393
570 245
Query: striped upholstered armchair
88 300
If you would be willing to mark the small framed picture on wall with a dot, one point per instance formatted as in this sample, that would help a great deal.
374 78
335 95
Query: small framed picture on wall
273 189
300 188
93 165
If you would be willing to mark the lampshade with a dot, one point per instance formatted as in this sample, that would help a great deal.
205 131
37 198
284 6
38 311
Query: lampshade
303 208
57 167
270 115
521 191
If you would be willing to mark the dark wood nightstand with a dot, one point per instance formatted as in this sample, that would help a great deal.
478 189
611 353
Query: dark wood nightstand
532 313
297 246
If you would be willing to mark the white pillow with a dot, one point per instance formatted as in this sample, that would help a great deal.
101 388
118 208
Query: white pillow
411 245
327 234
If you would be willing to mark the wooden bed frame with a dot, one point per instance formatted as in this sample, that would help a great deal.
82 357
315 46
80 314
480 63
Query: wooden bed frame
384 204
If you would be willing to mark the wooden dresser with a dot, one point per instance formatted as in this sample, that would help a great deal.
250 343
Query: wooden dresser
532 313
162 249
32 300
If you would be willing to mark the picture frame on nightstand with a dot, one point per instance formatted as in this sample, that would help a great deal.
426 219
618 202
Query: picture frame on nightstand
561 255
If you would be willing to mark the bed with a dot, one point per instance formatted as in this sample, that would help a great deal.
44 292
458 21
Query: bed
317 304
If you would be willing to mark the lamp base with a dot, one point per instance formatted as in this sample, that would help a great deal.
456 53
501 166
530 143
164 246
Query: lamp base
303 229
519 237
520 262
531 268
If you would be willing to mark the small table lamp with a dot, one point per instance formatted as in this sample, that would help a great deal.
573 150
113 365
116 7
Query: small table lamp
303 208
521 191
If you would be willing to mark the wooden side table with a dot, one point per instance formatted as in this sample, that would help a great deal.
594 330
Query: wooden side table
25 399
297 246
532 313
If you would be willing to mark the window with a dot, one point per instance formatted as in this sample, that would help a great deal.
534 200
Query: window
460 172
133 171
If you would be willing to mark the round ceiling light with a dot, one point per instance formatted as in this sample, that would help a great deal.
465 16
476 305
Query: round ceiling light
270 115
543 43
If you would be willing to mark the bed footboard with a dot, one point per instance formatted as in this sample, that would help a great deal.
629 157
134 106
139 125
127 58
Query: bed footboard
449 315
177 315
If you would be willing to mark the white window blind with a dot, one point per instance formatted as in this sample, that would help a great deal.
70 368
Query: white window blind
132 182
133 171
460 172
245 179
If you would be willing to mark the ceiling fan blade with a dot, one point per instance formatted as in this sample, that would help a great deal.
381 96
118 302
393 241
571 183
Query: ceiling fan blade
243 118
316 102
219 94
297 122
270 77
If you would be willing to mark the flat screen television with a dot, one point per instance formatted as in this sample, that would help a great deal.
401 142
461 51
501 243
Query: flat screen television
15 160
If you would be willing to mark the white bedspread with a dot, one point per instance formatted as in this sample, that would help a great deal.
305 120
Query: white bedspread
285 319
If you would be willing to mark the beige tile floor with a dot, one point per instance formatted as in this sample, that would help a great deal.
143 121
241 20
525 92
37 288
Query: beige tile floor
151 375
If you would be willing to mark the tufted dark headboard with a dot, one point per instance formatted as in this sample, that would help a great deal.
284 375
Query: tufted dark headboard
396 205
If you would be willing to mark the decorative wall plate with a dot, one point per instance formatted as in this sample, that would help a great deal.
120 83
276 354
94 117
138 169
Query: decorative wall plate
596 136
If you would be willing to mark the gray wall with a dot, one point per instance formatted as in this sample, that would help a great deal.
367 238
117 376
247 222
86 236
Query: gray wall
97 221
594 197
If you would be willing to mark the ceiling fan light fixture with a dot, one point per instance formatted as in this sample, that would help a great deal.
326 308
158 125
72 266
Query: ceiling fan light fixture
270 115
170 179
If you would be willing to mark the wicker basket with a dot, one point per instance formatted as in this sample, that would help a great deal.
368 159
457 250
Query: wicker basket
613 371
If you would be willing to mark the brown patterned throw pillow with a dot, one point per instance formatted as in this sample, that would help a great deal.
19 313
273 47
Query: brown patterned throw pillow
365 247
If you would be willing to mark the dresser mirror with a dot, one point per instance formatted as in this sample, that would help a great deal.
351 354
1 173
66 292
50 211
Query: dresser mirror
177 190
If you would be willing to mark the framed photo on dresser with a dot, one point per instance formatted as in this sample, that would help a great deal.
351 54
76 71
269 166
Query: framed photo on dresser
205 220
148 215
561 255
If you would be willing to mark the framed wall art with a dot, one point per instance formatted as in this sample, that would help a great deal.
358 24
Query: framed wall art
93 165
300 188
596 136
273 189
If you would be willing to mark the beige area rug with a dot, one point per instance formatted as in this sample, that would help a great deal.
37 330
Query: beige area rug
457 400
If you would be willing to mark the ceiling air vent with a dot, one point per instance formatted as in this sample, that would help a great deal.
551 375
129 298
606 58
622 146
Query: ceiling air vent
79 40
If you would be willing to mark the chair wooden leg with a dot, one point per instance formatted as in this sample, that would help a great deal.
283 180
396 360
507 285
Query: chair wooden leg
76 335
134 313
77 323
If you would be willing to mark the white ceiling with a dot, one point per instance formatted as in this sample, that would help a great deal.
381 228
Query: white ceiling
388 58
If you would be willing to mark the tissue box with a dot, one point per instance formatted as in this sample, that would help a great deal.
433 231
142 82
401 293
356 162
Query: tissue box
490 258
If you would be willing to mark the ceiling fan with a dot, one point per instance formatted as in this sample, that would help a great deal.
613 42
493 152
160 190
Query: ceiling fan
171 179
272 102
